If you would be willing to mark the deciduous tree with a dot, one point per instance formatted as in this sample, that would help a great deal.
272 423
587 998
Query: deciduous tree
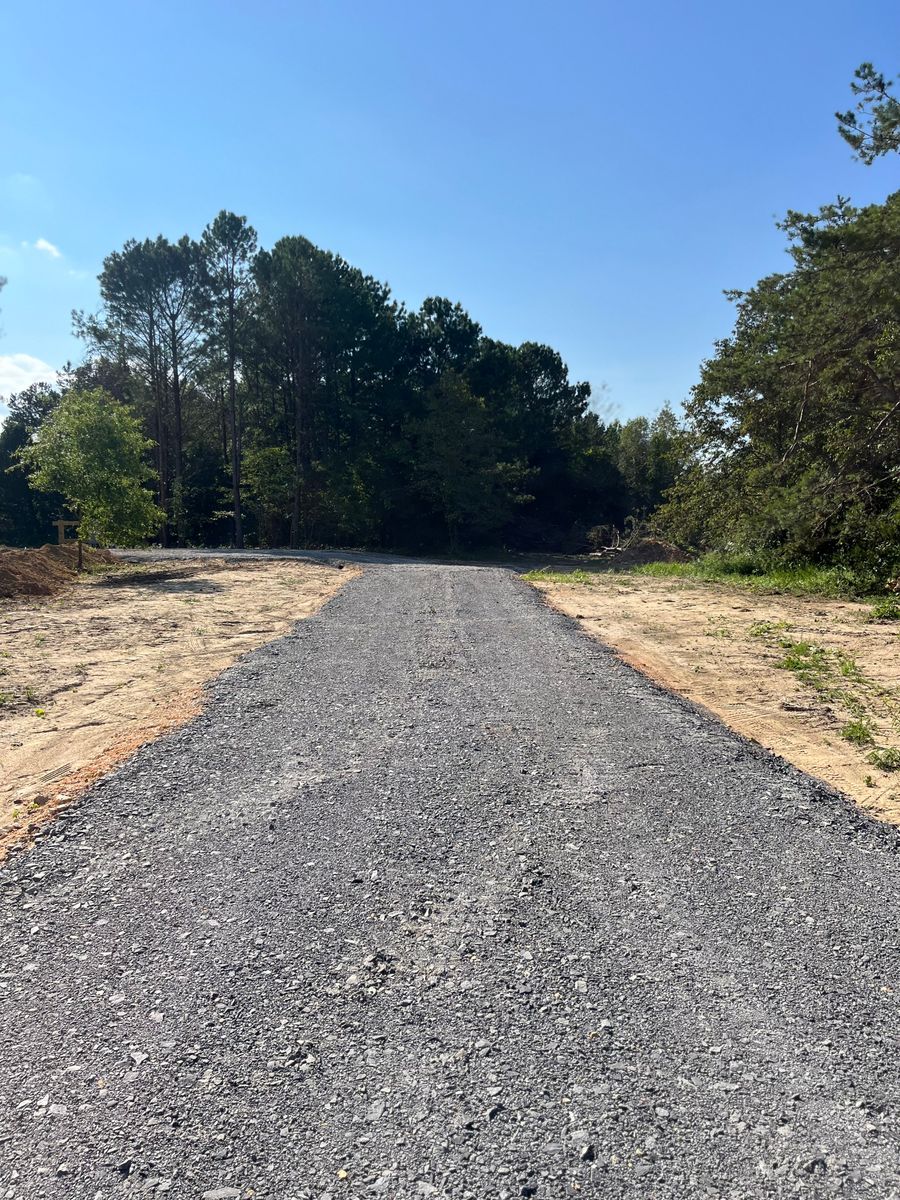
91 450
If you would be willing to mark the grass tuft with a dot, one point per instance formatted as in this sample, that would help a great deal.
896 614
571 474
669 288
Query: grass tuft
886 758
886 608
859 732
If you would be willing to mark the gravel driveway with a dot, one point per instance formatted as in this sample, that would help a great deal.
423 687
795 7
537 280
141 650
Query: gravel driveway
439 899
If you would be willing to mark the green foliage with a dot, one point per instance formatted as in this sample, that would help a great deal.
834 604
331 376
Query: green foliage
872 128
295 385
650 456
228 246
793 425
766 629
859 732
457 471
91 450
765 574
26 515
794 420
578 577
886 758
269 475
886 608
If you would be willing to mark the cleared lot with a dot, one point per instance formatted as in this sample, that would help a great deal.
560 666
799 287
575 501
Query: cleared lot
90 674
814 680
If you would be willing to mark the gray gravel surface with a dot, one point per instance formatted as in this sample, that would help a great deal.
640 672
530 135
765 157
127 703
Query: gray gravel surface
438 899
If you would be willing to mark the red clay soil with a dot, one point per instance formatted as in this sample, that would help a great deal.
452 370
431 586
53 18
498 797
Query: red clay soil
45 571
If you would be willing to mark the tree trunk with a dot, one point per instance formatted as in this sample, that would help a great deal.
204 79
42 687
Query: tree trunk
235 432
298 469
178 489
300 448
156 385
223 413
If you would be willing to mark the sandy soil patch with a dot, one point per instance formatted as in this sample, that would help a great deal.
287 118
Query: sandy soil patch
795 674
44 571
88 676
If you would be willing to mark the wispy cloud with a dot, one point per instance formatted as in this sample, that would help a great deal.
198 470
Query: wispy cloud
48 248
19 371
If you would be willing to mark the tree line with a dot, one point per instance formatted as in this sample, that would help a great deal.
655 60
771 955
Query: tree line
283 397
795 422
289 399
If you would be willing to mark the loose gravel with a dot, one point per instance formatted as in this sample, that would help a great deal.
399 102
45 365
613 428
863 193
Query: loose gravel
437 898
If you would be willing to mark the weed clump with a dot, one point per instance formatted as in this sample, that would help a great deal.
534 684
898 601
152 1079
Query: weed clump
859 732
886 608
886 758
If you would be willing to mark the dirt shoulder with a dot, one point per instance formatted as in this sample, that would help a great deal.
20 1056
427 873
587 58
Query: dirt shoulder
801 676
88 676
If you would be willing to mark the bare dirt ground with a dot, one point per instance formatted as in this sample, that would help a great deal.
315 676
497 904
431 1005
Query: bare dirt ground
790 673
89 675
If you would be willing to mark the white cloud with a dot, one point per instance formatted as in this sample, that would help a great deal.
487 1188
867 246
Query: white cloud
48 248
18 371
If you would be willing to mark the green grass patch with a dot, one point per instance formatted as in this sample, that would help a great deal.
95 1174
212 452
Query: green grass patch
859 732
886 758
545 575
747 571
886 608
752 572
818 667
764 629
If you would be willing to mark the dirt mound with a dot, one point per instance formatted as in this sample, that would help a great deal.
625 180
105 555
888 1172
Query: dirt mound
645 550
45 571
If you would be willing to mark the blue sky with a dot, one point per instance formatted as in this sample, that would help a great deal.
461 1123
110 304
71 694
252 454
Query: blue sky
590 175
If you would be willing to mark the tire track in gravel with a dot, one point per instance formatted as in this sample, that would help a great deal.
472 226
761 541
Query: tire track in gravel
438 898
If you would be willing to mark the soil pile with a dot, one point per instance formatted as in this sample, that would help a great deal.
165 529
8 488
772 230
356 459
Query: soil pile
44 571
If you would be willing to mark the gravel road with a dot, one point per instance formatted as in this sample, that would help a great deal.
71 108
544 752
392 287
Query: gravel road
439 899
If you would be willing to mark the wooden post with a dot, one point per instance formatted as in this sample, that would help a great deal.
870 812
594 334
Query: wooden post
61 527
